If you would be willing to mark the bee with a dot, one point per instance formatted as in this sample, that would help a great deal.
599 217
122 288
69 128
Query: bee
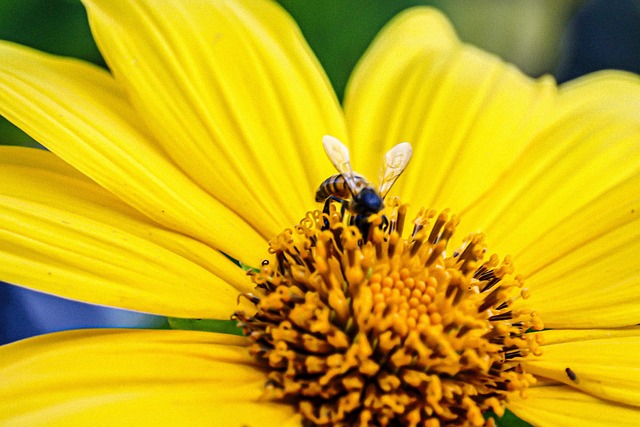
352 190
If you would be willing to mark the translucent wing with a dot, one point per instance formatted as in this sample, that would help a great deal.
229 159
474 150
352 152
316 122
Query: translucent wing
338 153
394 163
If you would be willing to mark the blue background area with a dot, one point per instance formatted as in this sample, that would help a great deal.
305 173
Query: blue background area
603 34
25 313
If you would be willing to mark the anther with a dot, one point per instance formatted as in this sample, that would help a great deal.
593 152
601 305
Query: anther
252 298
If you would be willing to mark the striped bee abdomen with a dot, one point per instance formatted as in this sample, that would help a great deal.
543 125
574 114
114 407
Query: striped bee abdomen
336 186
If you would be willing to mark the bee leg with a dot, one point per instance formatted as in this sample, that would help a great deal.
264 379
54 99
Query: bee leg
363 224
385 223
327 209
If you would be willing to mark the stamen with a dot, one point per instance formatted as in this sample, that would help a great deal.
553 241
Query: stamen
388 330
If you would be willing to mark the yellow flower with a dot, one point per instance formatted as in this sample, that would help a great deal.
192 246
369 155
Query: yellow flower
205 138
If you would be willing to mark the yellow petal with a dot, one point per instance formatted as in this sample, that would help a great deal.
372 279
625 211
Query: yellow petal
78 112
61 233
467 114
516 159
107 377
585 271
557 405
233 93
603 363
585 150
598 91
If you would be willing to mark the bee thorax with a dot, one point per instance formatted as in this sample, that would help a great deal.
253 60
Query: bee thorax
367 201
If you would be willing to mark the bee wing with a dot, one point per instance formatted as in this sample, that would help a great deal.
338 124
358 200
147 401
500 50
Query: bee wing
394 163
338 153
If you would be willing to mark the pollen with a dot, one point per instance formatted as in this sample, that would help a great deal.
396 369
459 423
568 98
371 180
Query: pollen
391 328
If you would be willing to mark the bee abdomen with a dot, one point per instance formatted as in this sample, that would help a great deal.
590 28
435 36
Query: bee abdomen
335 185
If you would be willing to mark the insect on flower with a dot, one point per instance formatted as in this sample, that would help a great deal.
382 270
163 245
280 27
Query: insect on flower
352 190
572 375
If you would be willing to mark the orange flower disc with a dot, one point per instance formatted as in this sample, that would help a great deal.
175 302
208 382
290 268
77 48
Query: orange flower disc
389 330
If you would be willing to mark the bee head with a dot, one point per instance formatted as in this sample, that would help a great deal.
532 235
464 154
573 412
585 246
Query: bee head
367 201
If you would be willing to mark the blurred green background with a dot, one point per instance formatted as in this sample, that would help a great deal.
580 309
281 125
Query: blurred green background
524 32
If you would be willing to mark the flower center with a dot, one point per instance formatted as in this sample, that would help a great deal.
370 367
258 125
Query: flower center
389 330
